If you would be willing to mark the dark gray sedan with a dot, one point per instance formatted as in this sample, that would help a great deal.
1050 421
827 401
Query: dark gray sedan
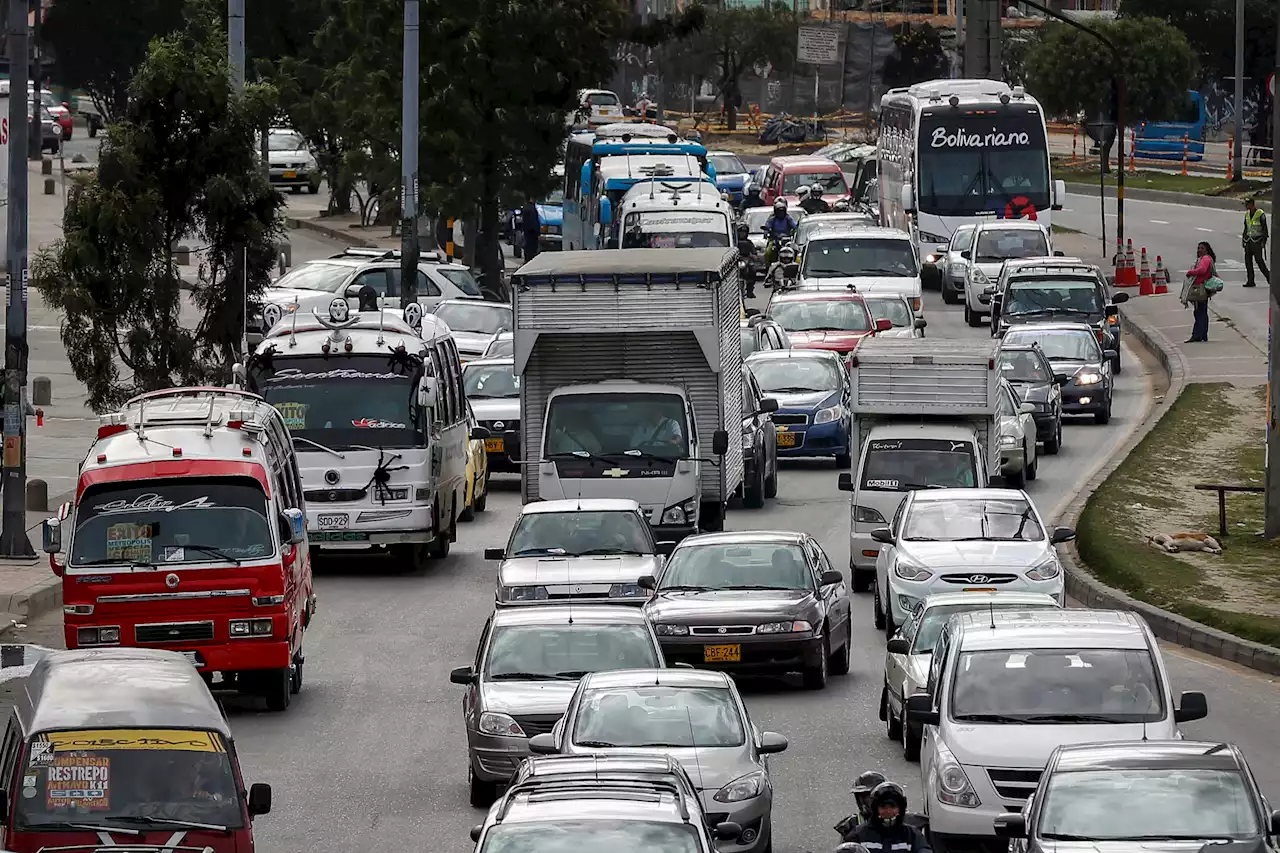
766 602
1080 364
1031 375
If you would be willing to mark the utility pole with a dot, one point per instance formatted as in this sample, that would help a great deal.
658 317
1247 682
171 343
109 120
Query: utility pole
13 534
1237 173
1271 498
409 159
960 43
235 59
35 128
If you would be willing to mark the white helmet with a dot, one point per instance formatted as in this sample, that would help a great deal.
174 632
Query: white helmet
803 193
786 254
817 190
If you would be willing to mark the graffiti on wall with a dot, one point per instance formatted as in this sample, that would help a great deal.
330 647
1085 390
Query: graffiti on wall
1220 107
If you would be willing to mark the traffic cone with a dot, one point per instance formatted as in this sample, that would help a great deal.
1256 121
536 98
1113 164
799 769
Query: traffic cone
1118 262
1146 287
1130 265
1161 277
1122 270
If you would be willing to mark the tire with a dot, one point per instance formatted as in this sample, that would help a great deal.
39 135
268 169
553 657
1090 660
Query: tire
883 713
469 511
278 689
771 482
482 793
892 722
295 189
949 296
295 679
1017 480
973 317
967 316
439 548
911 737
877 607
861 579
753 493
844 461
815 678
1116 367
1104 417
1053 445
1033 470
482 502
93 130
711 518
312 189
889 627
841 660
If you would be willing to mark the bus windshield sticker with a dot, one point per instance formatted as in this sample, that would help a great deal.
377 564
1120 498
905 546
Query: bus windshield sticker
374 423
129 542
79 781
294 414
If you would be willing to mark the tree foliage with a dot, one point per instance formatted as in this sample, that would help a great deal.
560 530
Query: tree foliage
179 165
918 56
1209 26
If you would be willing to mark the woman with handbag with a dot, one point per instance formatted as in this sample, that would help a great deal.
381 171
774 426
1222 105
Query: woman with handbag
1200 285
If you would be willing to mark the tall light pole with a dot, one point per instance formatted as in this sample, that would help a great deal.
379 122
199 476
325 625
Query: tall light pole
1237 173
409 158
235 43
1271 496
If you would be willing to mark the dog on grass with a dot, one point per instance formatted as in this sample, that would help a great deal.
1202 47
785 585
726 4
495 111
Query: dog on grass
1177 542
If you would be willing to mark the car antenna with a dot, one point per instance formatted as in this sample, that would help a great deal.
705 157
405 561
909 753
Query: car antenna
693 741
293 332
1144 731
991 613
382 304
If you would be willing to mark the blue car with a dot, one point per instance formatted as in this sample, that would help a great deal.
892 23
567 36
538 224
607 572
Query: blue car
813 392
732 176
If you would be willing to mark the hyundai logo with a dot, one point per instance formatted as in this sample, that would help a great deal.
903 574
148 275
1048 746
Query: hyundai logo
171 580
978 578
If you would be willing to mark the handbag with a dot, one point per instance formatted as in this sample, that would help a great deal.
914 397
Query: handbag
1213 285
1198 293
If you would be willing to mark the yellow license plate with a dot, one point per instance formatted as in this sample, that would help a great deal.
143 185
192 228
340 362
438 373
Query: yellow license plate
291 174
979 589
722 654
494 445
786 439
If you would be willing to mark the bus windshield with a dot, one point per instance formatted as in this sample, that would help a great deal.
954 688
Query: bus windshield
982 163
677 229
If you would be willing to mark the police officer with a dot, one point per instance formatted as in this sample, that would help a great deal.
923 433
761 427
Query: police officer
751 198
885 831
861 790
814 203
531 227
747 250
1254 241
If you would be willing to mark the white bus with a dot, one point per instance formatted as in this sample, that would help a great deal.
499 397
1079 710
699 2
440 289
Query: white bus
955 151
673 215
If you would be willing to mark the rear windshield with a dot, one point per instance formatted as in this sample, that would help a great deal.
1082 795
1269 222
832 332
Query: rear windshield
832 183
129 777
905 465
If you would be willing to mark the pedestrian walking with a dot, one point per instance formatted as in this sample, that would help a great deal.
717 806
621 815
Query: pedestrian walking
1198 288
531 226
1254 242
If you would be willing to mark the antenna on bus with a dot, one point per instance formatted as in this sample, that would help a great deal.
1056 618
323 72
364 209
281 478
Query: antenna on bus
382 304
293 340
142 419
208 421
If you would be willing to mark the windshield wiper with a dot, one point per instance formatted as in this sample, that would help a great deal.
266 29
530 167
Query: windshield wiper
919 539
796 389
541 552
660 744
760 586
216 552
684 588
318 446
1062 836
1070 718
91 827
593 552
572 673
524 676
597 744
116 561
189 824
989 718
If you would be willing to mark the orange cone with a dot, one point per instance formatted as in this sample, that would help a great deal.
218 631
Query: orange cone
1146 287
1123 270
1161 277
1130 265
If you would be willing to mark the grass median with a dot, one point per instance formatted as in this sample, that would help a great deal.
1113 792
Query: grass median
1210 185
1214 433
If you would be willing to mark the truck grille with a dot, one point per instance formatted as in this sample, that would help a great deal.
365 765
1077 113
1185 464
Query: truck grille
1014 785
173 632
537 724
790 420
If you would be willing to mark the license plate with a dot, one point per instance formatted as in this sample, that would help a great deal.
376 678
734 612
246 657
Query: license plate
338 521
786 439
291 174
338 536
979 589
494 445
722 654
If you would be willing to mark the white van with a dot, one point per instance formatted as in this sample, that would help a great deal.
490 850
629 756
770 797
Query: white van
1007 687
867 258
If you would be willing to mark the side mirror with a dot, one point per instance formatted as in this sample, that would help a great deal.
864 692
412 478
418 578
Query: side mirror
294 522
479 433
649 581
476 832
665 548
831 578
920 710
1192 706
1275 822
606 211
1058 254
51 535
753 312
543 744
585 174
352 291
1012 825
259 799
772 743
990 290
908 199
1061 379
720 442
1110 354
921 323
1059 195
897 646
1119 298
768 405
966 254
427 392
462 675
941 249
1027 408
726 831
1063 534
845 483
884 324
495 553
882 535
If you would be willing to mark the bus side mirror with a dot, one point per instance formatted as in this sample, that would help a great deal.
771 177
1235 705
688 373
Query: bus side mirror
293 526
4 806
1119 298
427 392
908 199
259 799
720 442
606 211
51 535
586 174
1059 194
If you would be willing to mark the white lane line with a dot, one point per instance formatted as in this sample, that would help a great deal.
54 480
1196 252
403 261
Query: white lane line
1206 230
1158 222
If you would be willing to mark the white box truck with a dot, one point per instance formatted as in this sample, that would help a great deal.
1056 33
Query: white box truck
926 413
630 367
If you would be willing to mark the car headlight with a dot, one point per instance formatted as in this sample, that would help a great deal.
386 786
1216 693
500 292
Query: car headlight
671 630
797 627
249 627
826 416
909 571
956 269
1008 440
1045 570
681 513
867 515
525 593
1088 377
627 590
926 237
953 786
930 259
743 788
493 723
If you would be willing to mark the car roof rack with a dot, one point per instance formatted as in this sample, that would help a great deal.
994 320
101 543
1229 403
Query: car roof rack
1049 267
648 785
377 254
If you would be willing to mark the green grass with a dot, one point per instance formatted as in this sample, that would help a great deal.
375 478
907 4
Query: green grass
1062 229
1159 474
1198 184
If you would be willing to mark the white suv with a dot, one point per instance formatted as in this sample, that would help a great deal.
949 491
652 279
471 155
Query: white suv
995 242
1008 687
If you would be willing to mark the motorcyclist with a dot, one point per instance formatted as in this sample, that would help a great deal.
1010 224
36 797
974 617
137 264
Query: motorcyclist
780 224
747 250
861 790
751 198
886 831
812 200
776 276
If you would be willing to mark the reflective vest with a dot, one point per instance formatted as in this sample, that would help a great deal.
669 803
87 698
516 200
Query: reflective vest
1253 224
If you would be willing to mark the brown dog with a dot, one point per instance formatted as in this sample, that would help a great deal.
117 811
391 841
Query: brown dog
1177 542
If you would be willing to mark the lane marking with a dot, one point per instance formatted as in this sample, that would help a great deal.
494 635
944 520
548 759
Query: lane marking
1206 230
1158 222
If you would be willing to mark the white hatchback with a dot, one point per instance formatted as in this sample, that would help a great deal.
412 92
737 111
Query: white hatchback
867 258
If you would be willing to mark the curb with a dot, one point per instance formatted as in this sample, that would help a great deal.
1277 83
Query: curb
39 598
1085 588
1166 197
340 235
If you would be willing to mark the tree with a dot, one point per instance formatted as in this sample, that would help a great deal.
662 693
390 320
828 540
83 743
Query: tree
180 163
97 44
918 56
1071 72
1209 26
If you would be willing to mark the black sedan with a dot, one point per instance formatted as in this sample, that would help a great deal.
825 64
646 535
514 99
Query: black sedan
757 602
1080 364
1153 796
1031 375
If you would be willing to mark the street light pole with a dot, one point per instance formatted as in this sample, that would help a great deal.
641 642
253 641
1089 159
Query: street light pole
409 158
1237 172
1271 483
235 43
13 534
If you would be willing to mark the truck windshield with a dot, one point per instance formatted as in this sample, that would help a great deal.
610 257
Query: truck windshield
128 778
675 230
345 401
170 522
905 465
644 427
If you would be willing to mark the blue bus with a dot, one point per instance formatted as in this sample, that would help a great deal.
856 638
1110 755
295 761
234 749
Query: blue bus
1162 140
633 152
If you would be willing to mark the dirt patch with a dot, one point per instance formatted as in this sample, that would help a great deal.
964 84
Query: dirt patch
1214 433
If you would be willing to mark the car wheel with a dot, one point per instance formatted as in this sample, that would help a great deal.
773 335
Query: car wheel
469 511
974 318
883 713
844 461
911 736
968 315
479 503
771 482
312 189
1115 364
949 296
277 690
295 677
295 189
892 722
482 793
1016 480
815 677
841 660
753 492
1053 443
1033 470
889 627
1104 416
877 608
861 579
93 130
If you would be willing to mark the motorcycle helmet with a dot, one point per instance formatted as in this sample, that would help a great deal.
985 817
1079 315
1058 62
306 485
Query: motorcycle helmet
779 206
802 193
753 189
862 788
817 191
884 794
744 230
787 255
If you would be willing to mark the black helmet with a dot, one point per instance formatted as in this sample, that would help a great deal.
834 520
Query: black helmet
862 788
743 229
884 794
